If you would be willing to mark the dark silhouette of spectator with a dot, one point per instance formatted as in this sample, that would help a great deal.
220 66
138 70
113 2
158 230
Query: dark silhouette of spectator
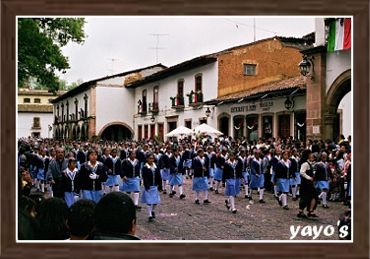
81 219
115 218
26 219
52 220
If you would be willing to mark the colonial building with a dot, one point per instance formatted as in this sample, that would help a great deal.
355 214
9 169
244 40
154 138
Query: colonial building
241 91
35 113
102 107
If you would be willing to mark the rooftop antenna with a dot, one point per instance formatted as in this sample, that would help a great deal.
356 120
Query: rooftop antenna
112 60
156 48
254 29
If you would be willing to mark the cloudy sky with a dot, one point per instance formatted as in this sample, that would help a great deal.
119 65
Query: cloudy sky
117 44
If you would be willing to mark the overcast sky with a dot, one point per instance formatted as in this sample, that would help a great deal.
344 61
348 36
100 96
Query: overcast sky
130 41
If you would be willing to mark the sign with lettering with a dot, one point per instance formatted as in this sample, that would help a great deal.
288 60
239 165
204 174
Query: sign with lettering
245 108
266 104
316 129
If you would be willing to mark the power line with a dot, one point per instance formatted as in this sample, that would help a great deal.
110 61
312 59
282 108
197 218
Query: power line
237 24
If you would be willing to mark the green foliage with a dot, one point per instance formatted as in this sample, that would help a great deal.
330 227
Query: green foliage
39 48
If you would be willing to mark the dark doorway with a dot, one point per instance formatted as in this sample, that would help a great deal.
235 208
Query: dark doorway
238 127
224 125
252 127
300 126
116 133
171 126
284 126
267 127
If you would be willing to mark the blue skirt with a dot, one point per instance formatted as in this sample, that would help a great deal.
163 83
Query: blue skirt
92 195
297 178
322 185
151 196
218 174
70 198
176 179
211 172
188 163
273 178
131 185
200 184
232 187
40 174
113 180
257 181
283 184
165 174
246 177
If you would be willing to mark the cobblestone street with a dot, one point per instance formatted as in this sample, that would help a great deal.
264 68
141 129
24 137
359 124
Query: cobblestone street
184 220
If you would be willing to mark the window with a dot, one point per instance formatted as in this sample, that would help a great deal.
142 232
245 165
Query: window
198 83
26 100
62 111
36 123
144 102
85 99
203 120
155 94
188 124
37 100
250 69
180 88
76 109
67 105
139 132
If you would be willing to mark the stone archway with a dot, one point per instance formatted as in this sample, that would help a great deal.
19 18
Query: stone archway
224 123
116 131
340 87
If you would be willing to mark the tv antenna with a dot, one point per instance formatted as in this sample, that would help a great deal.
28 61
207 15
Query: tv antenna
157 48
113 60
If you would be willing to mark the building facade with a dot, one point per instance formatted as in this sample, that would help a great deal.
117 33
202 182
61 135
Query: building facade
101 107
35 113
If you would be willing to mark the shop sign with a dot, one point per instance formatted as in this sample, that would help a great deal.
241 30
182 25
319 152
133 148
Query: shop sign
245 108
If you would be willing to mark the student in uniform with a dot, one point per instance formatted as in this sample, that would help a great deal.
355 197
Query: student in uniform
201 174
152 185
321 178
82 156
165 169
257 178
113 164
245 172
211 166
41 163
283 172
69 182
273 162
219 167
92 175
231 176
295 180
105 160
308 194
131 177
176 172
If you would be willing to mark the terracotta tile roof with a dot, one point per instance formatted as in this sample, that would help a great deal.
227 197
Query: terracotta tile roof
286 84
39 108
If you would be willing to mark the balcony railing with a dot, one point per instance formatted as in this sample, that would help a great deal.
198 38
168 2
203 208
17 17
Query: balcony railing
142 107
195 98
154 107
177 102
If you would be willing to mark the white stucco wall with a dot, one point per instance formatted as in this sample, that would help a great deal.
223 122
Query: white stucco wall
114 104
25 123
336 63
168 88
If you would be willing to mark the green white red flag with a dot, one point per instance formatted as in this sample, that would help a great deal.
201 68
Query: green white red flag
339 37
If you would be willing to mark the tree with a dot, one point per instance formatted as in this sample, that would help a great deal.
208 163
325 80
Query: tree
39 48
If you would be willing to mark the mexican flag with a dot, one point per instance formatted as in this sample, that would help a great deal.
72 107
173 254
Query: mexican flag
339 37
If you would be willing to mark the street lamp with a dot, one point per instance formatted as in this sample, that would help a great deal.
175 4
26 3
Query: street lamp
289 104
152 119
208 112
306 67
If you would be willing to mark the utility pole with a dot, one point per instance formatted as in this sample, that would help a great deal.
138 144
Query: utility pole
156 48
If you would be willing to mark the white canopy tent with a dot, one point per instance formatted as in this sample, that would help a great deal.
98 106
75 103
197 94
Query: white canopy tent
181 131
206 129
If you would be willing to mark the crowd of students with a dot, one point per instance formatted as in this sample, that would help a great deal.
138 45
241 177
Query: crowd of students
82 174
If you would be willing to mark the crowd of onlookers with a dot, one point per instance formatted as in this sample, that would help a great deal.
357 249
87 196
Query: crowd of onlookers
112 215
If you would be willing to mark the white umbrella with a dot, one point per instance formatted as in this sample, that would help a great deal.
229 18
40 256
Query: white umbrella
180 131
206 129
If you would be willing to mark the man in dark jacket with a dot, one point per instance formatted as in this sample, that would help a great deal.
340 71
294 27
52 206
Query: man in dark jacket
55 171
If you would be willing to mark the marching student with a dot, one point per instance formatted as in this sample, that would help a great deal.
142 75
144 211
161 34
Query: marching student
82 155
275 158
232 175
114 167
90 178
201 174
105 160
295 180
176 172
308 194
187 157
245 172
69 184
321 178
211 166
41 163
219 167
283 172
257 177
152 185
165 169
131 177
